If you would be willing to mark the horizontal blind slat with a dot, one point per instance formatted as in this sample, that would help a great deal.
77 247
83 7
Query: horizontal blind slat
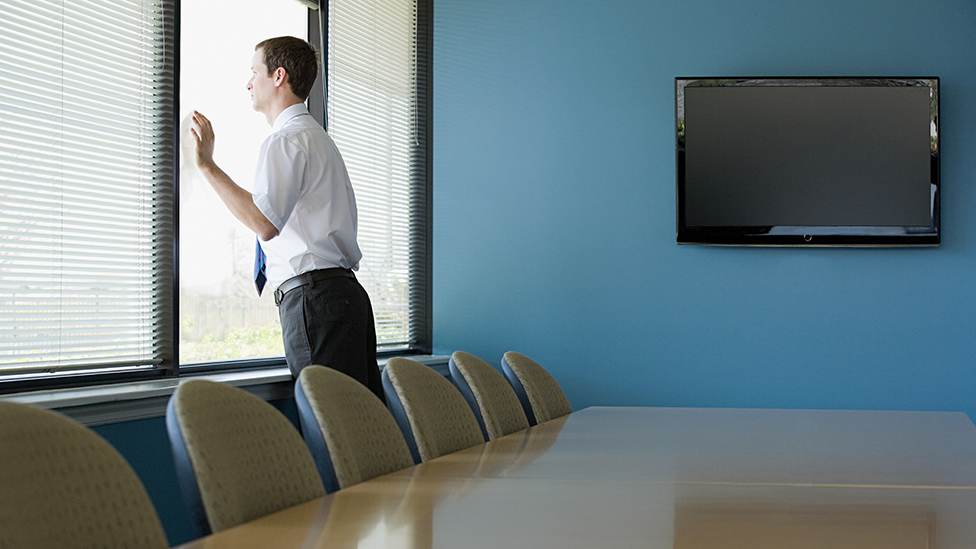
86 236
372 108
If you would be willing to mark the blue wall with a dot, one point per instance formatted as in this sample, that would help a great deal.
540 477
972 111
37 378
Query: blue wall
145 445
554 208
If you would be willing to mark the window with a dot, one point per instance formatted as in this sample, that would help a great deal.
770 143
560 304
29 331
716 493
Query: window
88 266
86 235
221 316
377 94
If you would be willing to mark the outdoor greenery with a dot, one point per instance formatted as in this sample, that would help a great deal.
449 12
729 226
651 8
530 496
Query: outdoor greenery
234 344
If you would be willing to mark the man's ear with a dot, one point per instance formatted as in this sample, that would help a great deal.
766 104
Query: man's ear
280 76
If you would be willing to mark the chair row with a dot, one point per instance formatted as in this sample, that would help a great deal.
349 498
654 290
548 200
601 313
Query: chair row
238 458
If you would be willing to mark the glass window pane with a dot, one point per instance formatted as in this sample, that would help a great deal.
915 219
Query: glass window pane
375 119
85 185
221 316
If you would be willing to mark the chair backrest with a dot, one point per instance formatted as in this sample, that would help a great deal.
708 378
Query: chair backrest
349 430
540 395
432 414
64 486
237 457
490 396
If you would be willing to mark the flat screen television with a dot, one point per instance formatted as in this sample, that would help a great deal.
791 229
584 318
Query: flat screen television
807 161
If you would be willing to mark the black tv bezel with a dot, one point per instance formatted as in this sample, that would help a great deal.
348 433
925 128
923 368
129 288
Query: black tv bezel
803 236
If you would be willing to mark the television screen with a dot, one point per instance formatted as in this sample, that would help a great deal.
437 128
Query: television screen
807 161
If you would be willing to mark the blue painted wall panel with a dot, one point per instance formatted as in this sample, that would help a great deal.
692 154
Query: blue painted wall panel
554 208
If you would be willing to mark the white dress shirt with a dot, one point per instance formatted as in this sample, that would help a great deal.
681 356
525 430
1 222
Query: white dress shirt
302 187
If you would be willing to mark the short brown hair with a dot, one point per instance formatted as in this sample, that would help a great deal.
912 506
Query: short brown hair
299 59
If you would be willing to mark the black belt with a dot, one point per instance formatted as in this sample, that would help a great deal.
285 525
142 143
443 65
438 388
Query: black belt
309 278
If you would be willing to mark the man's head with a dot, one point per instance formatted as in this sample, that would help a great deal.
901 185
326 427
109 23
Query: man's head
296 56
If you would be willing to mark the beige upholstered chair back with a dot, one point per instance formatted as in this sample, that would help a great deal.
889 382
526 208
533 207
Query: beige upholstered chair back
500 410
359 434
63 486
247 458
439 420
545 396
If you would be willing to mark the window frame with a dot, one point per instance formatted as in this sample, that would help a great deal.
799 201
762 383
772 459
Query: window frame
420 307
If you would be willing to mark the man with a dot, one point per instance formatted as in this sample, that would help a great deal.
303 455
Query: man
303 212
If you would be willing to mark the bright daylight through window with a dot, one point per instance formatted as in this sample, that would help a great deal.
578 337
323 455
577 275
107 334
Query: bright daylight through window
86 157
221 315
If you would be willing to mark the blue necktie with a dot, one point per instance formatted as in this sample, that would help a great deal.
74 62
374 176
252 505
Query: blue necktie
260 268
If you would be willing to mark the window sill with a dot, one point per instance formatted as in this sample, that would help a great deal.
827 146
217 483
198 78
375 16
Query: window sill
104 404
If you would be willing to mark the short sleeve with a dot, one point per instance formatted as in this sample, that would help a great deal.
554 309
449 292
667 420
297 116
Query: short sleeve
279 177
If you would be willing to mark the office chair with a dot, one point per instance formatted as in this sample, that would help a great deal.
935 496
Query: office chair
350 432
237 457
490 396
64 486
432 414
540 395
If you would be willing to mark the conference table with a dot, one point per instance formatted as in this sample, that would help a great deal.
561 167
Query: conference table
664 478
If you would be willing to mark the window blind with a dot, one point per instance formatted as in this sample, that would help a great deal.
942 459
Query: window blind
377 115
86 160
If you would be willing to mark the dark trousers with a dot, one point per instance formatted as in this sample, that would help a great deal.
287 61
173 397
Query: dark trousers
330 323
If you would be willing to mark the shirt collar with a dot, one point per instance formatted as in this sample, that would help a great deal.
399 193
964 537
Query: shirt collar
297 109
